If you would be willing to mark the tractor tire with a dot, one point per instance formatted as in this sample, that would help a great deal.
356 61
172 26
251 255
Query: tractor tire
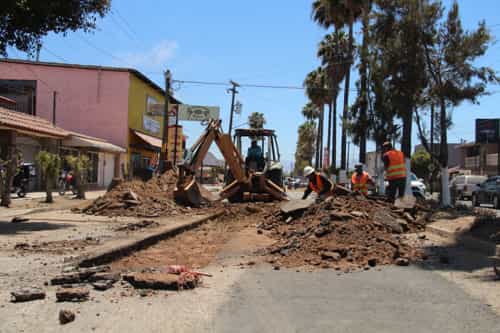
276 176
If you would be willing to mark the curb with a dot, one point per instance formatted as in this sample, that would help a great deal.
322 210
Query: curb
111 254
469 242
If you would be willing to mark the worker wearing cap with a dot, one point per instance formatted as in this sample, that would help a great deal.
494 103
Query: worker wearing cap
318 183
360 180
395 171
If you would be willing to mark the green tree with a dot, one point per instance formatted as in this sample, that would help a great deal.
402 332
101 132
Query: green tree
24 22
420 162
50 166
310 111
317 91
256 120
80 166
305 149
334 53
339 13
450 57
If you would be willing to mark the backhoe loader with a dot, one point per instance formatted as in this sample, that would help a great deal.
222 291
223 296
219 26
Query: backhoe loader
244 181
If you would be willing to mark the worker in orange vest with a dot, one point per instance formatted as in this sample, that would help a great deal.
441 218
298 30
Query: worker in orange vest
318 183
360 180
395 171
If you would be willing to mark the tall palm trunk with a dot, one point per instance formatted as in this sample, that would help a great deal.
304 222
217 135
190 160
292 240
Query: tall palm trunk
334 132
343 148
329 132
316 160
364 88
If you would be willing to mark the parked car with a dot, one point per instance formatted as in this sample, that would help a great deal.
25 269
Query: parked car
464 185
487 193
417 186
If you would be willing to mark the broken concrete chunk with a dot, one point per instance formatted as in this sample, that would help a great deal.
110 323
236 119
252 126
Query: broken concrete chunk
402 262
357 213
103 285
328 255
104 277
19 219
340 216
72 295
66 316
153 281
27 294
321 231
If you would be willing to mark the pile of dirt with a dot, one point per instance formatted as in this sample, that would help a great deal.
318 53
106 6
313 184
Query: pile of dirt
344 232
137 198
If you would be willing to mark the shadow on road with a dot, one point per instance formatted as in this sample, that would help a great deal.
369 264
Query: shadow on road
9 228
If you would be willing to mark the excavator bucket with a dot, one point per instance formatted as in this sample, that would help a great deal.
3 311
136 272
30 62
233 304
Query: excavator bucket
192 194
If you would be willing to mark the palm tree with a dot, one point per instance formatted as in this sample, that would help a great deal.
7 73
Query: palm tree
317 91
333 51
339 13
310 111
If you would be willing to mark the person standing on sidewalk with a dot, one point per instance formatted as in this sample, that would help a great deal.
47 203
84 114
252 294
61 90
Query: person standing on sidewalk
395 171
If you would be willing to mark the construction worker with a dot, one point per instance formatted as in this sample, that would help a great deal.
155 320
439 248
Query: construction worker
395 171
360 180
318 183
255 158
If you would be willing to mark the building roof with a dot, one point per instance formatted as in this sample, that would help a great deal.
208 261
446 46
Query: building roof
94 67
151 140
84 141
8 101
30 125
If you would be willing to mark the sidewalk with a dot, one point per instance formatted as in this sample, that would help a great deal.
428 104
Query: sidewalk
33 203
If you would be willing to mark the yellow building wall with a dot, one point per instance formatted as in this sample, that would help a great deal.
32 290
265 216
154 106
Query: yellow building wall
146 120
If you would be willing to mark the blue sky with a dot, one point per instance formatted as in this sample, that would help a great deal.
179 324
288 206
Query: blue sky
252 42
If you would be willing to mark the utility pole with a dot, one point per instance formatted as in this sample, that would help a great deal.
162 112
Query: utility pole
54 95
164 139
233 92
348 153
432 147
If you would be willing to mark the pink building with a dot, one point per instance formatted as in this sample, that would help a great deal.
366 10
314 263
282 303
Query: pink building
101 102
91 100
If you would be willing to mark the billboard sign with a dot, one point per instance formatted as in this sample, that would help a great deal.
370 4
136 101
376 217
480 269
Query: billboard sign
487 130
198 112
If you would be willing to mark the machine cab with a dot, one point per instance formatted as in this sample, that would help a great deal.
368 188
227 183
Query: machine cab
266 146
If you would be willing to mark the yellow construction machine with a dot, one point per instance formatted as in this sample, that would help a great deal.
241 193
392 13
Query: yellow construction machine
245 181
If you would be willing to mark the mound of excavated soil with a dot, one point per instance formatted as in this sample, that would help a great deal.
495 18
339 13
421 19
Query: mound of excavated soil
137 198
344 232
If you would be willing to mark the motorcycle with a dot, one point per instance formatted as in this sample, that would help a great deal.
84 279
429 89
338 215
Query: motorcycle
22 178
66 182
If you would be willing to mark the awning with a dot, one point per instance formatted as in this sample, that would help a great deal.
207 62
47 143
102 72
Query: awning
84 141
29 125
150 140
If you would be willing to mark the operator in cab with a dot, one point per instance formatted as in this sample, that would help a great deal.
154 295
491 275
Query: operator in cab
319 183
255 157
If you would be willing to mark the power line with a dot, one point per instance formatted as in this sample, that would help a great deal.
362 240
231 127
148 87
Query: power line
115 10
103 51
53 54
132 37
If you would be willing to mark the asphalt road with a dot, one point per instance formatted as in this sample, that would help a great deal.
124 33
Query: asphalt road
394 299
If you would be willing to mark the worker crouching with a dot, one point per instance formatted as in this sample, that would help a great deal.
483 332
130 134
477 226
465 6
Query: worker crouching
360 180
318 183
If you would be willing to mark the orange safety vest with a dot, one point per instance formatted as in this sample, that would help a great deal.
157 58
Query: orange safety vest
360 182
396 168
319 184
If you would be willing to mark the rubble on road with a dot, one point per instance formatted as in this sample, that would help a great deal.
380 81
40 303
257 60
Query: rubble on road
66 316
162 281
138 225
344 232
72 295
83 275
138 198
27 294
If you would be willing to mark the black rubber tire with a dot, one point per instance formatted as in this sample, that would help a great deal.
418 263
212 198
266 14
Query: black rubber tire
475 202
61 186
21 193
496 202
